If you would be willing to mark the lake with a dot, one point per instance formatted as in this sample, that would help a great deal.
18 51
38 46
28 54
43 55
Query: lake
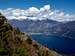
60 44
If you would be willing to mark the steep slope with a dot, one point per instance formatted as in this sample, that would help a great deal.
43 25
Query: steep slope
15 43
34 26
65 29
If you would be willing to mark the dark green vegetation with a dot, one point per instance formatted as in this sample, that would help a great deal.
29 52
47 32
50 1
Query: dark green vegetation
15 43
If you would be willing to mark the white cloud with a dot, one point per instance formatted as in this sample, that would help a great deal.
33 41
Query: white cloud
45 8
34 13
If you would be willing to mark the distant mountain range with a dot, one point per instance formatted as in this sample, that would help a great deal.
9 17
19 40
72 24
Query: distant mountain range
34 26
66 29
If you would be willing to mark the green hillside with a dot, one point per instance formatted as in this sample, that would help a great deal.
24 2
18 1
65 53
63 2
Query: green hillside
15 43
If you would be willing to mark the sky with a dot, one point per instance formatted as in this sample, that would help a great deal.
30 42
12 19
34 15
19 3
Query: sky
59 10
65 5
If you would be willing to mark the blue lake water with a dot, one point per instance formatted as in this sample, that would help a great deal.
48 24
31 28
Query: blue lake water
61 44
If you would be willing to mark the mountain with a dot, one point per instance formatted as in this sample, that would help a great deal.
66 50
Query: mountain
34 26
16 43
65 29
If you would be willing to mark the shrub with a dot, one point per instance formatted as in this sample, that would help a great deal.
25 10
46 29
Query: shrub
21 51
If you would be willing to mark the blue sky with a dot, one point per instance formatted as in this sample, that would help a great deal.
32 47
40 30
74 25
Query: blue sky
64 5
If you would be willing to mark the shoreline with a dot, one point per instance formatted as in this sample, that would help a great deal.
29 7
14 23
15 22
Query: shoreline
38 34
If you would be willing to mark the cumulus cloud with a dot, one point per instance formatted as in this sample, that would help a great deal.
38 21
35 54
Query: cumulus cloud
45 8
34 13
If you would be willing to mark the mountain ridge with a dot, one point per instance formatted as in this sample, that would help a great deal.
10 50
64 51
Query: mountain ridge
48 26
15 43
33 24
